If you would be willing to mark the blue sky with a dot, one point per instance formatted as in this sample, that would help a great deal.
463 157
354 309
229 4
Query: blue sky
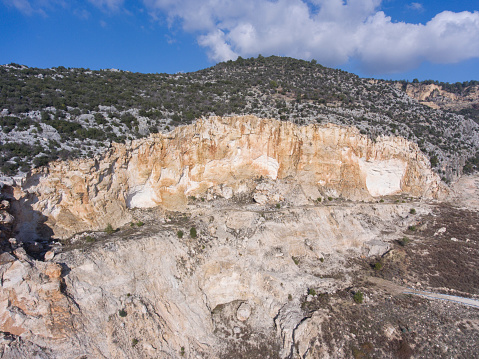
388 39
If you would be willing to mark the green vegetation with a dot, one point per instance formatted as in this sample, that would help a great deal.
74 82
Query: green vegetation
330 198
89 239
109 229
295 260
412 228
193 233
412 211
134 342
378 266
140 223
180 234
278 206
182 351
122 313
311 291
404 241
358 297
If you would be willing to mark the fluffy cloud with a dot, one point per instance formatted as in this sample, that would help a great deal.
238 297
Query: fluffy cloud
331 31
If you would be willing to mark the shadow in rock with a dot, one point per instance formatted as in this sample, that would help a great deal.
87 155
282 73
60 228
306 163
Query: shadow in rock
29 228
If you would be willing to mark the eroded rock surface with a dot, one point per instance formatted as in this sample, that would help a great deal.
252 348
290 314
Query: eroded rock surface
164 170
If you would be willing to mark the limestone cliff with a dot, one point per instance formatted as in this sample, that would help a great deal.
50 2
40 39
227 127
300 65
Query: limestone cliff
435 96
233 152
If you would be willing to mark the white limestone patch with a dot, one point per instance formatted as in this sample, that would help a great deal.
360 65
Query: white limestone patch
142 196
268 165
383 177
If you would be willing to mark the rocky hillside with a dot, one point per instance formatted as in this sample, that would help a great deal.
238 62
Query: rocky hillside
65 113
241 237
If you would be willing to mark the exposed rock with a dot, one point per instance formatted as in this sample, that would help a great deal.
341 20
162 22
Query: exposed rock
164 170
243 312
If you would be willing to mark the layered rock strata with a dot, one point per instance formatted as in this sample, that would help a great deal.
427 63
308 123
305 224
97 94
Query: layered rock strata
233 152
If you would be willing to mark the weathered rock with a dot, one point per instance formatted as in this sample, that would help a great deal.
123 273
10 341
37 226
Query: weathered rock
164 170
243 312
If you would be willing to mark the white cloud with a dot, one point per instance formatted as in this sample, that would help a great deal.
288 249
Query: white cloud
331 31
415 6
111 5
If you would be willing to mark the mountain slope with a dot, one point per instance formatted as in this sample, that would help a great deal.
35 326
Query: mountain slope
64 113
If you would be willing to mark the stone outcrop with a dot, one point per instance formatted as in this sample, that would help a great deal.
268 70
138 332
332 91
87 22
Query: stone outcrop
436 97
229 154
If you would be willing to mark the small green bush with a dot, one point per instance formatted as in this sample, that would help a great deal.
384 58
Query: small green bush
89 239
381 200
109 229
412 211
182 352
193 233
295 260
278 206
122 313
180 234
290 297
134 342
412 228
358 297
321 259
404 241
319 199
378 266
311 291
140 223
330 198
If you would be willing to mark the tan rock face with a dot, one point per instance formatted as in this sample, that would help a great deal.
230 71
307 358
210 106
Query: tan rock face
164 170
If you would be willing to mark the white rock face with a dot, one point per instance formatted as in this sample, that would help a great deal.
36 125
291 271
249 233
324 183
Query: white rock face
384 177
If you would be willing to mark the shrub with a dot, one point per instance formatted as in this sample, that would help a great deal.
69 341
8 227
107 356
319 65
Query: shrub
278 206
134 342
109 229
290 297
330 198
311 291
180 234
321 259
182 352
139 223
295 260
319 199
358 297
122 313
378 266
412 211
404 241
193 233
89 239
412 228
